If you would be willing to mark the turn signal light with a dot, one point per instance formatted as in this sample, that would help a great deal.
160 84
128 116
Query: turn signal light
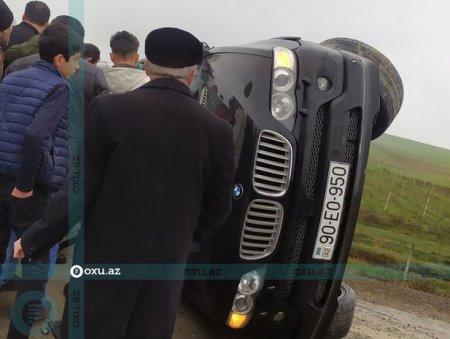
283 58
237 321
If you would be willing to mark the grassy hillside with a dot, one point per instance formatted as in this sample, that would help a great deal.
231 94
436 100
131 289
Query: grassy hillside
406 202
412 159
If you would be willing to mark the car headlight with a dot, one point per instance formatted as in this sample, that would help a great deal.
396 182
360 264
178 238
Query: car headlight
282 106
283 79
242 304
250 283
245 298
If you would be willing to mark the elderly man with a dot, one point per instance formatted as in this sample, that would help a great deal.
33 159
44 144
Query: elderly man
159 167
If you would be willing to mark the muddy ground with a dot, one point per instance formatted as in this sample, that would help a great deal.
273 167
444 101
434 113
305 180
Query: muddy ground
384 310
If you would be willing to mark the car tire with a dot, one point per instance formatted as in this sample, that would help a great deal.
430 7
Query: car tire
342 320
391 86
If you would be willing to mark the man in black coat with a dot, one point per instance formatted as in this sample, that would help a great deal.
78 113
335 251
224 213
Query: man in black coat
34 21
159 167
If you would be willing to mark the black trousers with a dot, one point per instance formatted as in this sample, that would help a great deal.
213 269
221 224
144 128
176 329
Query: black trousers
5 224
18 215
144 309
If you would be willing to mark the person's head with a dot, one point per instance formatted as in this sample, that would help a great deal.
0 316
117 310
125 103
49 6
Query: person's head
61 46
124 48
36 14
172 52
91 53
72 22
6 20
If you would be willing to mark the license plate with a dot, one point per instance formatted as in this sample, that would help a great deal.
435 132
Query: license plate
331 210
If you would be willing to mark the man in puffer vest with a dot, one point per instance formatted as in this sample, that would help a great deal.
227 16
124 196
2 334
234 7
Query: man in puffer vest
33 155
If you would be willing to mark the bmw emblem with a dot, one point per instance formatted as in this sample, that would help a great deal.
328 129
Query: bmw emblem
238 190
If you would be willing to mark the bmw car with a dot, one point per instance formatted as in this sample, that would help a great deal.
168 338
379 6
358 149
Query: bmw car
303 116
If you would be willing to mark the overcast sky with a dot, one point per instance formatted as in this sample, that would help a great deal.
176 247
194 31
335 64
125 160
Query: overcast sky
413 34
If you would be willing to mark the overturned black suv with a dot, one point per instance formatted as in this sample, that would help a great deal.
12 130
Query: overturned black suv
303 116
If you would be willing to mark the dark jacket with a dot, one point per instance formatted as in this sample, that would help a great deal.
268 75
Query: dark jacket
159 167
24 96
24 49
87 83
21 33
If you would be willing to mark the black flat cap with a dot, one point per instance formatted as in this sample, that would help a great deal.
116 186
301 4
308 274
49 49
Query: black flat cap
172 47
6 16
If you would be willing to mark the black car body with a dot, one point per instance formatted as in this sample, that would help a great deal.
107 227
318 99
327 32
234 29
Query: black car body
283 173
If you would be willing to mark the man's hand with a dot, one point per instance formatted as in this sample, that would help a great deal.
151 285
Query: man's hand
18 250
21 195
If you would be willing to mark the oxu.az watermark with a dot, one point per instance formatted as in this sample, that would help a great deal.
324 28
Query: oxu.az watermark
77 271
202 272
27 309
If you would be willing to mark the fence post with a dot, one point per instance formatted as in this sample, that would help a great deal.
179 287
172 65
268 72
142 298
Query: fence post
387 202
403 187
379 178
408 262
426 207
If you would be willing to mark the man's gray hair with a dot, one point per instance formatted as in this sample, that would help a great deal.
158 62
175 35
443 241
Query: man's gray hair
180 73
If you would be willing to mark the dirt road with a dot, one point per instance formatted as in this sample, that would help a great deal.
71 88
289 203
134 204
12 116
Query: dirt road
390 310
376 321
384 310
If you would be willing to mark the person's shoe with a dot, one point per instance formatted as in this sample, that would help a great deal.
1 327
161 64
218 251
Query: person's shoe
61 258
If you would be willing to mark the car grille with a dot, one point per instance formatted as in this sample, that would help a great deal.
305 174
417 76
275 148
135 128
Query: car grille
261 229
273 163
350 158
310 187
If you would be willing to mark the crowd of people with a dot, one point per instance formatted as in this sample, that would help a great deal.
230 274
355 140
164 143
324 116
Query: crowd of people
158 167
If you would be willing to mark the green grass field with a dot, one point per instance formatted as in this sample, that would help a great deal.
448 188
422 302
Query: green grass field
406 202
